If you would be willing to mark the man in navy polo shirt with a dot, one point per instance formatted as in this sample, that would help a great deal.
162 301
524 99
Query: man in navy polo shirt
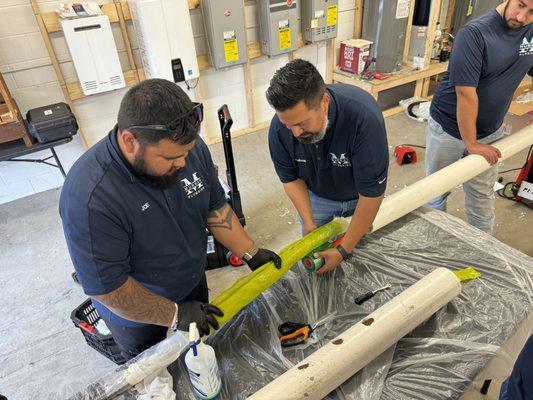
519 385
490 57
329 148
135 208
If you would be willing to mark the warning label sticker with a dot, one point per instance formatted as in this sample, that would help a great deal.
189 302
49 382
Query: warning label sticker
231 47
332 16
285 38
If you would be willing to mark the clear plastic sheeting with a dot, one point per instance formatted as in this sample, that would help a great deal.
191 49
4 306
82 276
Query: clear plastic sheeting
145 365
438 360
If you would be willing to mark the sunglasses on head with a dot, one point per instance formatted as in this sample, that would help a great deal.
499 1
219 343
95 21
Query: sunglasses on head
194 117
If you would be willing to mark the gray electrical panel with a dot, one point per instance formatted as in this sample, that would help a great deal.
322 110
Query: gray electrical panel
385 23
225 31
278 26
319 20
467 10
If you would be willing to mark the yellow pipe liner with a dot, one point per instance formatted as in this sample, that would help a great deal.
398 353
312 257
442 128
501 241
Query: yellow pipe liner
248 288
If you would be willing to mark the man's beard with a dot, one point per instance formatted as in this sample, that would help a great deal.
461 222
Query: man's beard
156 181
314 137
516 24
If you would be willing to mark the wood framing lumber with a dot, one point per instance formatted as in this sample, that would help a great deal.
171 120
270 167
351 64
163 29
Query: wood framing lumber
331 365
432 29
413 196
408 31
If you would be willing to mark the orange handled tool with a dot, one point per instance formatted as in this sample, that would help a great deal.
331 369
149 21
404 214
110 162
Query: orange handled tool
295 333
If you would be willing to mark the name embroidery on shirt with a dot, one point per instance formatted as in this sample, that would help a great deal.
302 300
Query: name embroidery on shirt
300 160
193 188
341 161
526 48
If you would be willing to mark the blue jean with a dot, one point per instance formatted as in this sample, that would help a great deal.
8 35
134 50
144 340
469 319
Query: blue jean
442 150
324 210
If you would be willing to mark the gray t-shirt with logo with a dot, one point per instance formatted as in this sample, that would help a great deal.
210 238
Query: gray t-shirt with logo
491 57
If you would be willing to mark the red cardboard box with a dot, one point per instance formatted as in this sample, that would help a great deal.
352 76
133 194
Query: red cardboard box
353 55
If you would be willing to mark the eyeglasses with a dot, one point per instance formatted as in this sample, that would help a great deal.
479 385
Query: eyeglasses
192 117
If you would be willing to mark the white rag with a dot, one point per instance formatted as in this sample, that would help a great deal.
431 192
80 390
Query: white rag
157 387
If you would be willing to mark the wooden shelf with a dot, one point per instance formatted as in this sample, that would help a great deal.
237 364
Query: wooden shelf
11 124
396 79
405 76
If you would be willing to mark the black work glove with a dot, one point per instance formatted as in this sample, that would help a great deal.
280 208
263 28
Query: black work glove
262 257
201 313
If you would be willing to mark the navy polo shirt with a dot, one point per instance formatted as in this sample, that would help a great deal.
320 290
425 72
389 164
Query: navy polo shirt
491 57
351 160
116 226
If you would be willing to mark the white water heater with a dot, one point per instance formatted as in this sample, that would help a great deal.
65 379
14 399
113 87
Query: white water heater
165 37
94 54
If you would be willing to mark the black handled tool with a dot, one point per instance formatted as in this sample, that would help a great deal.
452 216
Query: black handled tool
368 295
226 122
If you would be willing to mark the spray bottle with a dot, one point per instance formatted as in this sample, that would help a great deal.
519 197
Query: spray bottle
202 365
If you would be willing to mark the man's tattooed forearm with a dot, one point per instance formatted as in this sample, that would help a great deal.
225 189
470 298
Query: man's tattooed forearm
221 218
136 303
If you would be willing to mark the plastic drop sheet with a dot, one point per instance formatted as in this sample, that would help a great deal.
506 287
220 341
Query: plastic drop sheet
438 360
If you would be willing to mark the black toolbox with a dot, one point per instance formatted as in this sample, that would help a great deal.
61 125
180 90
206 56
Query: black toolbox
52 122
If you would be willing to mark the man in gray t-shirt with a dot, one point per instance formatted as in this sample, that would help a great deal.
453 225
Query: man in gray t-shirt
490 57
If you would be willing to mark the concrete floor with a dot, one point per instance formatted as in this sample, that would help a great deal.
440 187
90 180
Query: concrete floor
37 293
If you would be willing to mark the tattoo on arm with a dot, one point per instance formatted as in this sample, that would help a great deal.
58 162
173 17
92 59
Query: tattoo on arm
221 218
136 303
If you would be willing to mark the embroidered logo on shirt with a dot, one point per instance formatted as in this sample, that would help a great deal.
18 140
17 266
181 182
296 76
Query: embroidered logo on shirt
383 180
145 206
300 160
341 161
526 48
193 188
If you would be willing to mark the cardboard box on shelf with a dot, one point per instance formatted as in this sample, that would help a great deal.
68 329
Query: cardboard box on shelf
353 55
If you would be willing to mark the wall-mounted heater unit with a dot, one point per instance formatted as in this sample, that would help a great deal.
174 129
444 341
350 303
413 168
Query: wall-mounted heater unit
92 47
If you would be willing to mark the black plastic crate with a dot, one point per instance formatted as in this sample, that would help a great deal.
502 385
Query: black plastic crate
85 317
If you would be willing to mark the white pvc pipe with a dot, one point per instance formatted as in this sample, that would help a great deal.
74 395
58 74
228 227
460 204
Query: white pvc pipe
413 196
341 358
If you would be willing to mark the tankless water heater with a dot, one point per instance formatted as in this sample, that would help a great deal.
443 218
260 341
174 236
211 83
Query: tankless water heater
94 54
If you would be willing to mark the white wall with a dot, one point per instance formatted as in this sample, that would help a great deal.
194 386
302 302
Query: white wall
27 69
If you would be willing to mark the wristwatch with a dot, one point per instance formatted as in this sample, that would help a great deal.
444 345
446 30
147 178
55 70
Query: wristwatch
250 254
174 325
345 255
